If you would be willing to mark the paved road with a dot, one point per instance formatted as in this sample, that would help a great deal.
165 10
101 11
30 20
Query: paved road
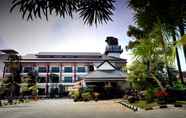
66 108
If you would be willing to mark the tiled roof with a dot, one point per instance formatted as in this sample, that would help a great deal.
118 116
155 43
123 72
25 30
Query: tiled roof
106 74
3 56
83 56
9 51
70 53
29 56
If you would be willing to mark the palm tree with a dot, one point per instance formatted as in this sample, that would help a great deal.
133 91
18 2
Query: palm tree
12 83
91 11
150 12
147 52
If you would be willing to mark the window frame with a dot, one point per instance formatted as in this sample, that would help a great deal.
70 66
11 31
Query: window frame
68 71
68 81
51 69
28 67
41 77
42 71
81 71
54 79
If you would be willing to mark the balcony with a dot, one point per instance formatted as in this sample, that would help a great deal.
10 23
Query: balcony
113 48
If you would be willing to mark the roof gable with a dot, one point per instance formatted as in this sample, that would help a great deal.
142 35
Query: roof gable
106 65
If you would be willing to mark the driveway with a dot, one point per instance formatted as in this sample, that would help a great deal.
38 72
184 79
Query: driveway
66 108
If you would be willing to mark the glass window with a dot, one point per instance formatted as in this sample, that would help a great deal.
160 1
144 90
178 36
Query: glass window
67 80
68 69
41 79
41 91
81 69
54 79
42 69
55 69
27 69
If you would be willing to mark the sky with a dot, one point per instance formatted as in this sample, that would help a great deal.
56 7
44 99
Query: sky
62 35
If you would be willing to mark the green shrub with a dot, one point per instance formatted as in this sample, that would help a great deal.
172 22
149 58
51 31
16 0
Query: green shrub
178 105
179 86
84 90
131 99
86 96
75 95
149 95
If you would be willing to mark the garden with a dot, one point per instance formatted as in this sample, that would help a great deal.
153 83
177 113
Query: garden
155 74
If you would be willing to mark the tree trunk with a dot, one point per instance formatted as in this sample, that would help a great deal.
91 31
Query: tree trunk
159 83
178 61
151 75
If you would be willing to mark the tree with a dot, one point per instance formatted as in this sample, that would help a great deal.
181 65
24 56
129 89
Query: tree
32 76
10 85
91 11
147 52
157 53
150 12
137 75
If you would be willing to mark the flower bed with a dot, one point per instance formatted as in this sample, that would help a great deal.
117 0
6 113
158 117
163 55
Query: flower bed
161 97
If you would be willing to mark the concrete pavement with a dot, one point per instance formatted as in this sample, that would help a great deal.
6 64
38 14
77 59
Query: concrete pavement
66 108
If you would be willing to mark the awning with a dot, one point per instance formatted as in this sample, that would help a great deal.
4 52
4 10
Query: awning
104 75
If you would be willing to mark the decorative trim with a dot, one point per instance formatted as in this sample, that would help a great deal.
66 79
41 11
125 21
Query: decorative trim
107 62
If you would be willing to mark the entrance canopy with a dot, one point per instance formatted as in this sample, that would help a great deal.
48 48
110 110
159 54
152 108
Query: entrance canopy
105 75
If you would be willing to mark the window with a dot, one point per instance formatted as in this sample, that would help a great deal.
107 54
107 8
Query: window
41 91
81 69
55 69
54 79
42 69
41 79
27 69
68 69
67 80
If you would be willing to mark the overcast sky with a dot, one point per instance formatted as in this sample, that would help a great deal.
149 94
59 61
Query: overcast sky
61 35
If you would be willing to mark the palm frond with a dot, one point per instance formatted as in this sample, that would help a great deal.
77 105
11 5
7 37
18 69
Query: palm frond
182 41
91 11
135 32
96 11
37 8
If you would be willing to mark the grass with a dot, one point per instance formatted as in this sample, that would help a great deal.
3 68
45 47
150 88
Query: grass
181 102
144 105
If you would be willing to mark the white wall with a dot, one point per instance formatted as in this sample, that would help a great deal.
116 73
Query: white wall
114 55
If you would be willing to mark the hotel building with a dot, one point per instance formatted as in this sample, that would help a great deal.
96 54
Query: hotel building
57 72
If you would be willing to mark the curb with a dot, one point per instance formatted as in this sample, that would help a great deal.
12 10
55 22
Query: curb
132 107
135 108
